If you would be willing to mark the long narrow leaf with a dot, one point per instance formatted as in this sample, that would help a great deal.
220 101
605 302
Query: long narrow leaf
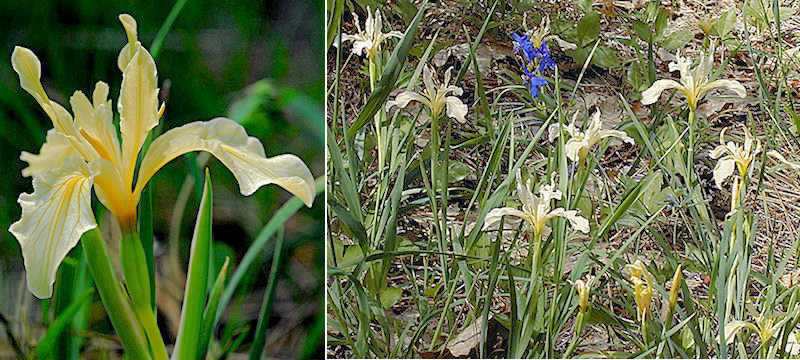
194 299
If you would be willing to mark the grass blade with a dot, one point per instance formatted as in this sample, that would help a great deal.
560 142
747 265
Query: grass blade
56 329
266 307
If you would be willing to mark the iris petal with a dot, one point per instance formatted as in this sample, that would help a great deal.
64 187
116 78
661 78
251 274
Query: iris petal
53 219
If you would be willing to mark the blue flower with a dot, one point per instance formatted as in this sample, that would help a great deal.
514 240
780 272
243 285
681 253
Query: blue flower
523 44
545 61
534 83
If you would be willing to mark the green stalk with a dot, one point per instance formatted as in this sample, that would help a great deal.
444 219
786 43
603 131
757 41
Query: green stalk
576 337
114 299
690 149
137 280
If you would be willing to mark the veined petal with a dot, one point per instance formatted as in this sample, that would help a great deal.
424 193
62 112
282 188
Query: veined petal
651 95
718 151
54 151
427 79
553 131
524 191
138 97
494 216
456 109
732 85
243 155
723 170
53 219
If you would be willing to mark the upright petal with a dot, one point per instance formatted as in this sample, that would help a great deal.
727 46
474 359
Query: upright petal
94 122
53 219
29 69
524 191
54 151
138 97
243 155
651 95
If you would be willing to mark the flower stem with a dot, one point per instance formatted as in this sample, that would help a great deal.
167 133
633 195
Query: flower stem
115 301
137 280
578 331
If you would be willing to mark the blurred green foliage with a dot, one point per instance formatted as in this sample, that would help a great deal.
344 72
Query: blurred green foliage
258 62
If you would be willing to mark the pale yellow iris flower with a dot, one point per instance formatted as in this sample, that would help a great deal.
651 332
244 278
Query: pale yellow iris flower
583 288
84 152
642 290
536 209
731 156
765 326
368 41
542 34
580 142
436 96
694 82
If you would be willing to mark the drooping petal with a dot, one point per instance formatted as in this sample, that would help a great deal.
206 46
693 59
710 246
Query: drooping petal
732 85
242 154
54 151
779 157
456 109
406 97
718 151
494 216
723 170
138 97
617 134
733 327
578 222
651 95
553 131
53 219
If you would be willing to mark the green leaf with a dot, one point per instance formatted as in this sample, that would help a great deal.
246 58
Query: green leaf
207 330
194 299
677 39
660 25
724 23
389 296
588 28
353 255
457 171
48 342
266 307
642 30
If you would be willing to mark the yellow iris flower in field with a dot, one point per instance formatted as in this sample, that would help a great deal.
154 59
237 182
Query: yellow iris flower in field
734 156
765 326
694 82
536 209
583 287
642 291
436 96
580 142
368 41
85 152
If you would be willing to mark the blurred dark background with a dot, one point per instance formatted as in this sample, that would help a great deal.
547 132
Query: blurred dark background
258 62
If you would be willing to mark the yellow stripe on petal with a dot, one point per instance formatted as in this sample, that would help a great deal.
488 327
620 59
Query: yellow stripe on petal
242 154
53 219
